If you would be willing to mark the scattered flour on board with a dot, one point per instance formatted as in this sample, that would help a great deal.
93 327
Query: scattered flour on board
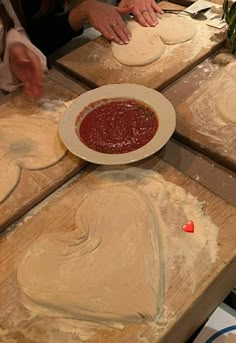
180 262
37 208
53 109
173 206
207 70
204 113
186 51
189 49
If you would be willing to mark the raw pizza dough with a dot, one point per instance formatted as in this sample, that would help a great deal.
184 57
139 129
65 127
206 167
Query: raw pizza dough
128 238
146 46
107 270
30 143
226 105
174 29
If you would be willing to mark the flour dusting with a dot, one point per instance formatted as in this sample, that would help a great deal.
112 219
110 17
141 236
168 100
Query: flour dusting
169 208
205 115
53 109
101 59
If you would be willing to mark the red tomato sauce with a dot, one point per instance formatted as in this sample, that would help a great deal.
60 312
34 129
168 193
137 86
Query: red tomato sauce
117 126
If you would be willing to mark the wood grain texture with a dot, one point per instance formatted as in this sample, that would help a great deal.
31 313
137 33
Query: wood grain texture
216 178
93 63
187 310
198 123
33 186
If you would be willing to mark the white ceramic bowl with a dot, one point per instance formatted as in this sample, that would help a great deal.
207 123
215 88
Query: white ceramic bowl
163 109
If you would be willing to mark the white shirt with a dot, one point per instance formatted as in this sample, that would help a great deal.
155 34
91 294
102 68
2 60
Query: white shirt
17 35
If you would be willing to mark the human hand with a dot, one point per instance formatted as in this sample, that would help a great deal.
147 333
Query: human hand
107 19
144 11
26 67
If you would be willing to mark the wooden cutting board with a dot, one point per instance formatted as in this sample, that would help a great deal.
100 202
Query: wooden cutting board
199 124
34 185
186 309
93 62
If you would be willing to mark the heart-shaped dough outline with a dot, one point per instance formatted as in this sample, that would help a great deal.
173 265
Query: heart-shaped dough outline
31 143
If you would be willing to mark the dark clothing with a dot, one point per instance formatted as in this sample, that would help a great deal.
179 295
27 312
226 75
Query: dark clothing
7 22
48 32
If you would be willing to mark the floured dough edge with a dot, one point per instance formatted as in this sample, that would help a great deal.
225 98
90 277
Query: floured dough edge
144 48
61 151
175 30
226 114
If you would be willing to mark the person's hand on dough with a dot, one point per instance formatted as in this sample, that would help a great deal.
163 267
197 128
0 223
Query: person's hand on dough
26 67
144 11
107 19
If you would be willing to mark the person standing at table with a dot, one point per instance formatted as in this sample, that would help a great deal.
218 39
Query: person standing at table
21 62
49 27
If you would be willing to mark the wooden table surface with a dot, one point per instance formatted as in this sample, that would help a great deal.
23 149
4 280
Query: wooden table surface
190 162
188 125
186 309
193 98
178 163
34 185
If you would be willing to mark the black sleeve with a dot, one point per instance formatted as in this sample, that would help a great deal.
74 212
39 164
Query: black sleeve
50 31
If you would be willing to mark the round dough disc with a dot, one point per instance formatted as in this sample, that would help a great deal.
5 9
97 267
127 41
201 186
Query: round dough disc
145 46
226 105
173 29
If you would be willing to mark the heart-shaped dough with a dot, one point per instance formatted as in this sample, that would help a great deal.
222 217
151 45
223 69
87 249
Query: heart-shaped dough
107 269
30 143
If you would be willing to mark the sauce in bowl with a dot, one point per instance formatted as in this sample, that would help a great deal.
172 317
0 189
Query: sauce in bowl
116 126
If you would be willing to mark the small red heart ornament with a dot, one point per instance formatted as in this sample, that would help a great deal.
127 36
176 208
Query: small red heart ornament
189 227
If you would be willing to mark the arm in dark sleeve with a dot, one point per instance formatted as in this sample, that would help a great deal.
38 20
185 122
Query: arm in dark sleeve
50 31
